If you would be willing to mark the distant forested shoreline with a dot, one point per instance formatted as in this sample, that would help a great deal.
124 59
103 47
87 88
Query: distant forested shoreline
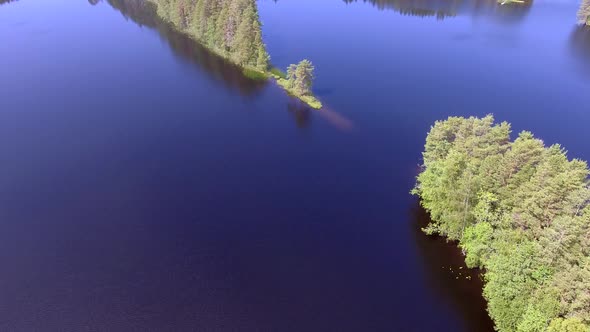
520 211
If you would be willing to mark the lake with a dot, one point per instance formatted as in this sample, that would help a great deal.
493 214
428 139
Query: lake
147 185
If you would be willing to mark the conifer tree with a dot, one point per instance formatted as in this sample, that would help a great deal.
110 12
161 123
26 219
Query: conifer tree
231 28
519 210
304 77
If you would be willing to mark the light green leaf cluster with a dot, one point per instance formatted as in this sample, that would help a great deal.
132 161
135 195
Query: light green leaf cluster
520 210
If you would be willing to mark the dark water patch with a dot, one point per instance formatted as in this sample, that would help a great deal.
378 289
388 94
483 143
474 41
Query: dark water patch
580 48
460 286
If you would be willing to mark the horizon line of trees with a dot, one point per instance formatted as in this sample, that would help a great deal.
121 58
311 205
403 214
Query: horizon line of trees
520 211
3 2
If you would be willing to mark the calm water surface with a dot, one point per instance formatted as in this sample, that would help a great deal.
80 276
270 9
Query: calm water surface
145 185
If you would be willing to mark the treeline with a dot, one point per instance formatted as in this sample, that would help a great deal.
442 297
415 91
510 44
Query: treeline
520 211
438 9
443 9
231 28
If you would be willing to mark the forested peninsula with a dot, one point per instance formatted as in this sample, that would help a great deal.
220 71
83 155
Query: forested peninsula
520 211
232 29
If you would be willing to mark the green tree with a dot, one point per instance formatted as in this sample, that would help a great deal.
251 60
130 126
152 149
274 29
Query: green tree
300 77
520 211
584 12
567 325
245 49
231 28
304 76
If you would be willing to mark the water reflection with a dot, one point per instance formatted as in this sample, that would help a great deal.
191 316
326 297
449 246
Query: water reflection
300 112
442 9
144 14
448 275
580 47
3 2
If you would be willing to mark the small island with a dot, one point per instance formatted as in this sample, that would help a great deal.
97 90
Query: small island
232 30
520 212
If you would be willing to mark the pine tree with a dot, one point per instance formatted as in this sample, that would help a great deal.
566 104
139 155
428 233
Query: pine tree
243 44
223 31
521 211
198 20
304 77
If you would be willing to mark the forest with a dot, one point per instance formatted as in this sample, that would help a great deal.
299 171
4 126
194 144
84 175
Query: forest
232 29
520 211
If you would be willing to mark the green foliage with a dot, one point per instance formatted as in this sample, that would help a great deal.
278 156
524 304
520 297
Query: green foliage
567 325
310 100
521 212
255 74
231 28
298 82
300 77
584 12
277 73
476 243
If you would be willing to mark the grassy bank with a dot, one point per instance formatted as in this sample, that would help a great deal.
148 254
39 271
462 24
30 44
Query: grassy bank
280 78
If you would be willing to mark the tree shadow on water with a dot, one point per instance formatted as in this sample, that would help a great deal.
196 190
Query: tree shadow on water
447 275
580 47
186 49
300 112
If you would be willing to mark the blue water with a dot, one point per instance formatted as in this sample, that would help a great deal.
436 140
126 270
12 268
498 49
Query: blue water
146 185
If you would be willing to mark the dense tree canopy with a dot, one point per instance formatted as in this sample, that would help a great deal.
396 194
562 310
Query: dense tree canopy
300 77
229 27
584 12
521 211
